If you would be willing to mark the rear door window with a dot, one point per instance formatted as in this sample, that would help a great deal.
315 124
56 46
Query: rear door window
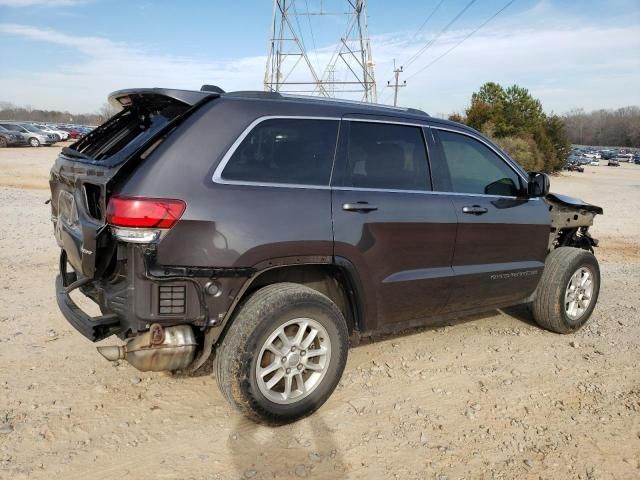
386 156
285 151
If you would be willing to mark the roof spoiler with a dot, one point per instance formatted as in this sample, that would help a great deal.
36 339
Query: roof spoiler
124 98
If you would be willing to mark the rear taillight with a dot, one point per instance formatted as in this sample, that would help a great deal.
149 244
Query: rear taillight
141 212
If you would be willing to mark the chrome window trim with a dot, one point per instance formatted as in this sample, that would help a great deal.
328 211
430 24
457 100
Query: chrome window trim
227 156
427 192
217 174
476 137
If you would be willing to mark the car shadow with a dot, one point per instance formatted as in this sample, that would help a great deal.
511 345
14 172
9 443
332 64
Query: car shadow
519 312
302 449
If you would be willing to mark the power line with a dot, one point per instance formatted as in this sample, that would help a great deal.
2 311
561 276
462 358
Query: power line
428 18
416 55
463 39
313 38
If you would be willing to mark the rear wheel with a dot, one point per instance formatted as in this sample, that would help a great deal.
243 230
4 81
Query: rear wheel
3 142
34 142
283 354
568 290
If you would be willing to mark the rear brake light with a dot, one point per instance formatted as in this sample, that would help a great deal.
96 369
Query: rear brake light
140 212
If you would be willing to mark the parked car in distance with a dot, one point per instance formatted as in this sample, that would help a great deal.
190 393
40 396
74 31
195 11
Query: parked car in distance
73 133
613 163
594 163
625 157
51 137
300 223
10 138
61 134
575 167
34 137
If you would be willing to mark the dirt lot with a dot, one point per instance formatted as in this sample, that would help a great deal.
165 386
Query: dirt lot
495 397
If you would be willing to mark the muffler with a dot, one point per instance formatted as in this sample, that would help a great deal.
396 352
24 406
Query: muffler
156 350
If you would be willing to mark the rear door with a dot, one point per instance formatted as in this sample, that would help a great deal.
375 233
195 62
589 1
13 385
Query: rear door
388 224
502 236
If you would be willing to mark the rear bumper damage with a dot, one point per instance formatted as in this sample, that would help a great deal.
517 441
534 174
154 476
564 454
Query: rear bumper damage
94 328
163 312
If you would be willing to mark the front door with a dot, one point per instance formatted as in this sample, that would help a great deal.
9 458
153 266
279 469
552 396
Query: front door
387 222
502 236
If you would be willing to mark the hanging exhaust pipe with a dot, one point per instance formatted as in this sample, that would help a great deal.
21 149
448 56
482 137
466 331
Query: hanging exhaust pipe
158 349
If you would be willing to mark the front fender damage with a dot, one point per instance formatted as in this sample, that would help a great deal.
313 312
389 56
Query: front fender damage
570 222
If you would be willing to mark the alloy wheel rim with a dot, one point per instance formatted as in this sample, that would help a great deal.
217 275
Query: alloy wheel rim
293 361
579 293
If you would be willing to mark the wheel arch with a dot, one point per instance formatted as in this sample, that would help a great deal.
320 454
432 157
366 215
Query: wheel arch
338 281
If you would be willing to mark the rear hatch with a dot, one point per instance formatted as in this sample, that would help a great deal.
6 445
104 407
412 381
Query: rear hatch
84 174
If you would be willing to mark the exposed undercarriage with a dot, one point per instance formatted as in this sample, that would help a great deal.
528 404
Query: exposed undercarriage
570 222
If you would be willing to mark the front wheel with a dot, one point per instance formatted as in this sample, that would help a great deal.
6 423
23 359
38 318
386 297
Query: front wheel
34 142
568 290
3 142
284 353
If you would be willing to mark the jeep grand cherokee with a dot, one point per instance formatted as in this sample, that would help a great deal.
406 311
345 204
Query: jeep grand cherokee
270 230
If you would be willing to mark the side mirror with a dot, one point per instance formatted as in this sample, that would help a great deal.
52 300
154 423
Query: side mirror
538 184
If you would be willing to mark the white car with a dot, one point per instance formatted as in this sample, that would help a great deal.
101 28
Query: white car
62 135
595 163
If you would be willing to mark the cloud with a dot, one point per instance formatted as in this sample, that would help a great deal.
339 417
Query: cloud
569 63
564 60
81 82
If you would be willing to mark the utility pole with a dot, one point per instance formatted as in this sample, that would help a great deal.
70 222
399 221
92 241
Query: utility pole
396 85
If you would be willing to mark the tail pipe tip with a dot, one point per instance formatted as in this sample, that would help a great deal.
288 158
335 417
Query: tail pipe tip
112 352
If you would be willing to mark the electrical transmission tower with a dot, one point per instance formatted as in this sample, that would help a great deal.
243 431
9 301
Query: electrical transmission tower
350 68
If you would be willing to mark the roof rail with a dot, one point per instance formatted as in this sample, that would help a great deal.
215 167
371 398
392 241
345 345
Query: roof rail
253 94
354 102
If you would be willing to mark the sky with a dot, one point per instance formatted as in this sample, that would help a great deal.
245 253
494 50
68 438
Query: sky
70 54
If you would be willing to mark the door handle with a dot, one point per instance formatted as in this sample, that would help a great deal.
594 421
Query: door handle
475 210
359 207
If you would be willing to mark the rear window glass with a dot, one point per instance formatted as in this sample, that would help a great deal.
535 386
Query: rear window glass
289 151
130 128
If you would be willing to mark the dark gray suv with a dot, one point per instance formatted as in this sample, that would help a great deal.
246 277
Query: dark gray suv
272 229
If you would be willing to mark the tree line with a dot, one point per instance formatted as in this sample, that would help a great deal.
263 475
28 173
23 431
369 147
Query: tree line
615 128
9 111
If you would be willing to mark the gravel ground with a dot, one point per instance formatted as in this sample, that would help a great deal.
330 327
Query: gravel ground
486 397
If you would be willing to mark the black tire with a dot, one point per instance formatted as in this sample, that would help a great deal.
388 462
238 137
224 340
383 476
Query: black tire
3 142
34 142
257 318
549 308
